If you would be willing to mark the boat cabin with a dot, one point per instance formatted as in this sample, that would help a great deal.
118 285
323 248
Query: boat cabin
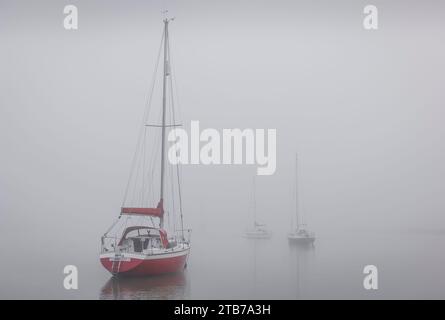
141 239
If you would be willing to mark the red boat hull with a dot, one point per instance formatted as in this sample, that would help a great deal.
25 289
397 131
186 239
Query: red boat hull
141 266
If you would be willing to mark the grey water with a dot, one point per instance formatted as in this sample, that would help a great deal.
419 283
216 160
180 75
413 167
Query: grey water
224 265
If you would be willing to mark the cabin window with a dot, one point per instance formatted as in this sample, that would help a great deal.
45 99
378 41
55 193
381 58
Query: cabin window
137 243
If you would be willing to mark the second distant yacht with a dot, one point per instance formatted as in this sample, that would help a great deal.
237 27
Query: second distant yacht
300 233
259 231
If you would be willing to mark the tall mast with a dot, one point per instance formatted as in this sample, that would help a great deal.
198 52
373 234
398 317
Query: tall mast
164 105
296 191
254 203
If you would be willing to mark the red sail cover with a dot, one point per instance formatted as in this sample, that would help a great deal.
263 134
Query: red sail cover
156 212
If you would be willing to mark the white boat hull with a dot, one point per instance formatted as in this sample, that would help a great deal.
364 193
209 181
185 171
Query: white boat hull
300 239
257 235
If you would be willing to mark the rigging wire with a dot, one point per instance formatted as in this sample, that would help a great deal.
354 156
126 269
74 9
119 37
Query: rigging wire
172 121
172 79
145 117
145 160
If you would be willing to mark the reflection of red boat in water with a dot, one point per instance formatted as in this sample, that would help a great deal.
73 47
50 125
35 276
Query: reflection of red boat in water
137 243
169 286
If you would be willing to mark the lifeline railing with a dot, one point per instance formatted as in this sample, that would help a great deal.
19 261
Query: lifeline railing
111 243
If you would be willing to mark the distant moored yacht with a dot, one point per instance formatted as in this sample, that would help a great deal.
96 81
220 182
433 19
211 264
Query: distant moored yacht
258 231
299 234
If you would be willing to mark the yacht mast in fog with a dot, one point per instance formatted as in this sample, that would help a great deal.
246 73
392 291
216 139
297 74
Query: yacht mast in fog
300 234
258 230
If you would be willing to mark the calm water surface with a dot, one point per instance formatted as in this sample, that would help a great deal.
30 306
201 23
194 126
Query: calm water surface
228 266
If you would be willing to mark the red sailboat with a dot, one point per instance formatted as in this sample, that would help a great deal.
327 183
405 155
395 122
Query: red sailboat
138 242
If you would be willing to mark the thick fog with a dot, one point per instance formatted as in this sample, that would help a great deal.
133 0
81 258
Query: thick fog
363 109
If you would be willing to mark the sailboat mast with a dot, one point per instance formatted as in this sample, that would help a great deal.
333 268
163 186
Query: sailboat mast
164 106
254 203
296 191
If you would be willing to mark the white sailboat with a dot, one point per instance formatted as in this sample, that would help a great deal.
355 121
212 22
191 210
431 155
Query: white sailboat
259 231
300 233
